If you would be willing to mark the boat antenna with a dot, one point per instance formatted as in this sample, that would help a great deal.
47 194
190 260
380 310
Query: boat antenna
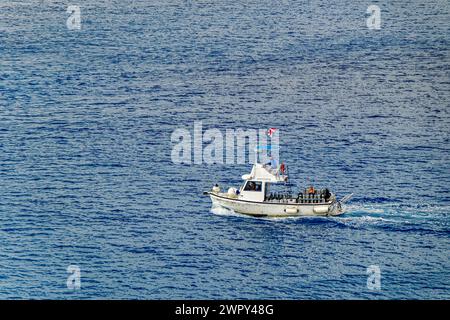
287 184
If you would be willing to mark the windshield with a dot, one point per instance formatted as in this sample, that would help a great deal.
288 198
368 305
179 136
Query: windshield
253 186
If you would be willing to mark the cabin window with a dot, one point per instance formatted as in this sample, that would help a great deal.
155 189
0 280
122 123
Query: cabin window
253 186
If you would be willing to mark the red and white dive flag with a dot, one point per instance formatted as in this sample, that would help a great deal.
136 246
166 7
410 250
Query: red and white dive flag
271 131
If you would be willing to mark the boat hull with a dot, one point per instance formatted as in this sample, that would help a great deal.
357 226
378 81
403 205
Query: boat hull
274 209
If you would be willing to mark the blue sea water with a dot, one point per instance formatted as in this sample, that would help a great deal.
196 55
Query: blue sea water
86 176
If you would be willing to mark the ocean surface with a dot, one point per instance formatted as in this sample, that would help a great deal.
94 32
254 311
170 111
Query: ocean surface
87 179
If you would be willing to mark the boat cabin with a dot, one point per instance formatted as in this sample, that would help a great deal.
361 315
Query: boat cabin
256 184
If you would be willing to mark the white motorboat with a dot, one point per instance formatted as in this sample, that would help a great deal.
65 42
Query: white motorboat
257 196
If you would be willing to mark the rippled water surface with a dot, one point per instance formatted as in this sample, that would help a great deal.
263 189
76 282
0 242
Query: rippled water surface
86 176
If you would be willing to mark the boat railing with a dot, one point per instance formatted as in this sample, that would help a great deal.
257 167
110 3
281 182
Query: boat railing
302 197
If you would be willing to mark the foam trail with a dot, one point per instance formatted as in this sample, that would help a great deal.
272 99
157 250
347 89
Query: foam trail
221 211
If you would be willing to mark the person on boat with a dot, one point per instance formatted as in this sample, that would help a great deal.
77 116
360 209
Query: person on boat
272 163
326 194
311 190
282 168
272 166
